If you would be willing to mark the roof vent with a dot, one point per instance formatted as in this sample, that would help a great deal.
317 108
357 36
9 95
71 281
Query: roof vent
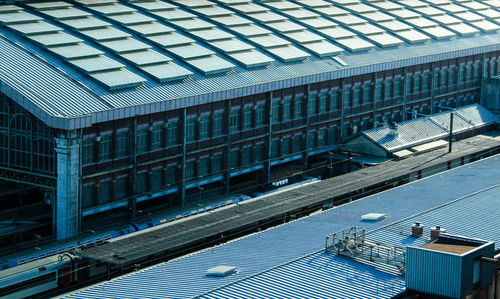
373 217
436 230
417 229
393 130
221 271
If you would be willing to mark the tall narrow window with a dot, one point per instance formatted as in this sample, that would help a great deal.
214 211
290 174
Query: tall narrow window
276 111
285 146
122 143
141 180
173 132
121 186
451 76
425 81
287 107
88 150
88 196
105 147
204 126
247 117
218 123
444 77
435 79
378 90
417 81
275 148
397 86
298 106
190 129
333 135
297 143
190 169
157 136
311 140
468 72
461 73
258 152
172 174
156 179
235 119
408 83
142 139
217 163
311 105
356 95
260 114
246 155
346 97
334 98
477 70
203 166
323 101
234 158
367 97
104 191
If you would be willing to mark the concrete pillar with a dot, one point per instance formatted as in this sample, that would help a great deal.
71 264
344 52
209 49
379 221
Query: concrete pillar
67 206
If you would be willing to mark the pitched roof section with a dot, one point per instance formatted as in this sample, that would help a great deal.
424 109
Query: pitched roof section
248 43
429 128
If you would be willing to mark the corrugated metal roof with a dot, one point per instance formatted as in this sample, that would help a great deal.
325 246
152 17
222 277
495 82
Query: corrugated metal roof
430 128
244 79
287 261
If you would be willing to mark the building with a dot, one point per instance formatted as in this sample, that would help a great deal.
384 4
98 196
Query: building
290 260
110 106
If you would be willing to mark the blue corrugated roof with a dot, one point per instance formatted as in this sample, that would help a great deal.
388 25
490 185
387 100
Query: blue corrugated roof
240 81
287 261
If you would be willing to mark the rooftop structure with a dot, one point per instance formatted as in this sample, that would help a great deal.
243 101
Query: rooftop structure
290 261
386 141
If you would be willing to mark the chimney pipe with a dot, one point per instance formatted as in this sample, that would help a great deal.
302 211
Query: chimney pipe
417 229
436 230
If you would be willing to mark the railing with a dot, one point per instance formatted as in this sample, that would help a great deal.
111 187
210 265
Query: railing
351 242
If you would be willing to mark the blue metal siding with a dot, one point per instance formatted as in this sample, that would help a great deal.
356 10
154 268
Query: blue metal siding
280 254
433 271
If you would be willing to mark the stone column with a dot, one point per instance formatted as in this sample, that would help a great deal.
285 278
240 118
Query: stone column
67 208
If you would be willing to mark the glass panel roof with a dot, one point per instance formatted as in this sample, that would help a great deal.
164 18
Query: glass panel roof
412 36
267 16
288 53
300 14
231 20
331 11
355 44
323 48
269 41
446 19
231 45
154 5
118 79
366 29
174 14
303 37
463 29
153 28
49 5
318 23
96 64
103 34
125 45
131 18
394 25
251 58
213 11
170 39
18 18
212 34
66 13
190 51
286 26
211 65
85 23
145 57
193 24
337 33
113 9
385 40
166 72
75 51
438 32
34 28
250 30
55 39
